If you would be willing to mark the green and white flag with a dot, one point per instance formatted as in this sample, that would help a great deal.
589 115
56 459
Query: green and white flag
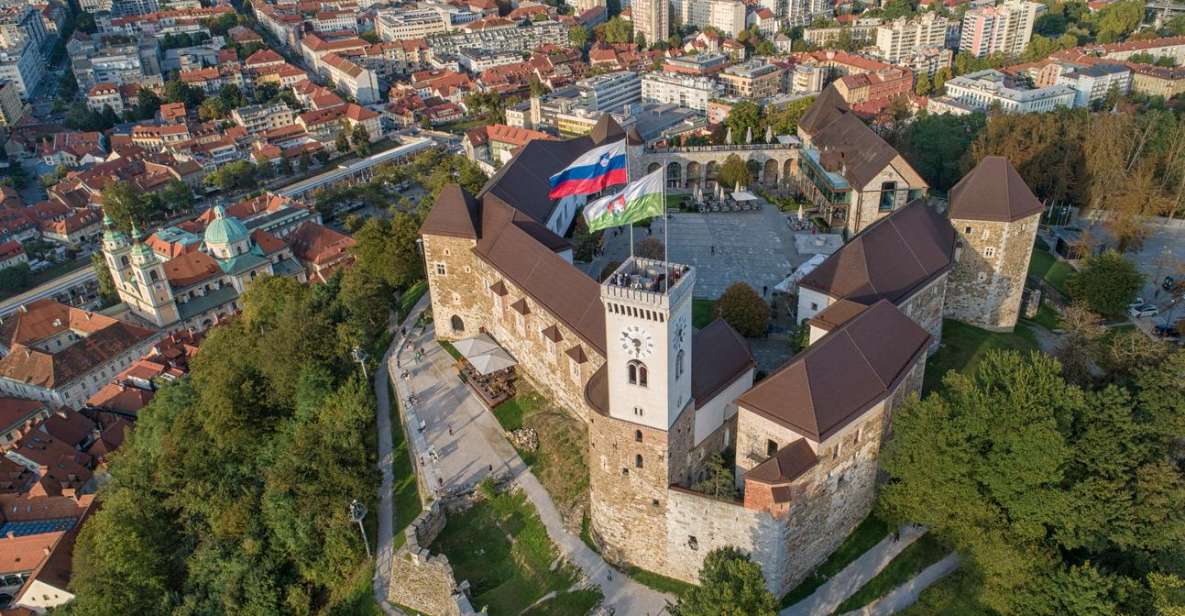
640 200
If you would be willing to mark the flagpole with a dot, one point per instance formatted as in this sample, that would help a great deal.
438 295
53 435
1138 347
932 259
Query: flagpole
666 246
628 174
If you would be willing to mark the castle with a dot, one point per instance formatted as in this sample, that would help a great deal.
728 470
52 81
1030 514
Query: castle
660 398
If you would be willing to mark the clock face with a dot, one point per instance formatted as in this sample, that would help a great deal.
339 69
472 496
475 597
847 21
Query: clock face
679 332
636 341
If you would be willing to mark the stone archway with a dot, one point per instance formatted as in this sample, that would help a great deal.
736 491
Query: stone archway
769 175
754 168
788 170
695 172
457 324
652 167
674 175
713 171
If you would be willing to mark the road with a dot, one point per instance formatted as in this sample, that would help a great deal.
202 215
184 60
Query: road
906 594
80 276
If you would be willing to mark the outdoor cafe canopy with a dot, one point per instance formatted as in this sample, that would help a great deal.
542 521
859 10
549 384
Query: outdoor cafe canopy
743 195
484 354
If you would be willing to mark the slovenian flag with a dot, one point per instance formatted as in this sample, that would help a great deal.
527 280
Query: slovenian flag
595 170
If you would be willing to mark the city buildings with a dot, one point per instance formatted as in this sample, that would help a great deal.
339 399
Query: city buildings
652 19
903 38
11 106
1093 83
683 90
1005 28
884 84
989 88
610 92
22 65
753 79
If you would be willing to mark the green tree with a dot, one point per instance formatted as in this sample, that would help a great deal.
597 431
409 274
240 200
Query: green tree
125 204
107 292
730 585
720 481
922 87
784 120
640 40
578 36
618 30
734 171
342 142
1056 496
212 108
178 92
15 278
1118 19
1107 283
651 247
147 103
360 139
936 145
743 309
941 76
386 250
744 116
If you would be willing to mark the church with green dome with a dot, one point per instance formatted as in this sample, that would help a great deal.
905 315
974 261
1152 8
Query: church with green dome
187 277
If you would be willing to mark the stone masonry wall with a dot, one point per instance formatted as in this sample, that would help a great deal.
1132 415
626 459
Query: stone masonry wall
925 308
754 431
986 286
463 290
421 581
830 500
697 525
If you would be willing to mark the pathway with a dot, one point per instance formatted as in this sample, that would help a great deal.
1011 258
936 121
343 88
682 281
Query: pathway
906 594
853 577
459 443
385 541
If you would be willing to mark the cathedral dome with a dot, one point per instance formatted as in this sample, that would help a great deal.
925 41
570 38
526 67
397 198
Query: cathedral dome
224 229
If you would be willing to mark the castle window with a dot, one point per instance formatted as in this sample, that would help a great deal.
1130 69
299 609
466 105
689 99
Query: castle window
967 230
638 411
692 542
154 276
679 364
888 196
990 251
457 323
638 461
637 436
981 276
625 471
771 447
440 271
124 260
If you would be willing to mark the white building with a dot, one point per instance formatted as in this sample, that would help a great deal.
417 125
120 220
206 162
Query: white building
984 89
652 19
259 118
23 66
397 25
903 38
1093 83
803 12
478 60
1006 28
727 16
611 91
683 90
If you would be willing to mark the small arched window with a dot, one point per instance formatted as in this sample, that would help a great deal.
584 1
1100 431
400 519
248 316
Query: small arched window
124 260
637 373
638 461
679 364
153 275
637 436
633 370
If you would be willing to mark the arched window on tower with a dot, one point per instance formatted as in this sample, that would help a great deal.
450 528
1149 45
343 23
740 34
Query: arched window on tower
638 461
153 275
637 436
679 364
637 373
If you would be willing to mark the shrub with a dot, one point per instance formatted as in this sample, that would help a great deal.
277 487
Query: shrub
744 310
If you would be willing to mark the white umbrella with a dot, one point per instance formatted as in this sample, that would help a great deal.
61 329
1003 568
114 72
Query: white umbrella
801 211
737 188
728 136
749 135
769 134
477 345
493 361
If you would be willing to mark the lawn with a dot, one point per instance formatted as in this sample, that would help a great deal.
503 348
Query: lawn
964 345
661 583
357 598
452 350
1046 266
867 534
568 603
701 312
559 463
910 562
501 547
408 300
1046 317
405 492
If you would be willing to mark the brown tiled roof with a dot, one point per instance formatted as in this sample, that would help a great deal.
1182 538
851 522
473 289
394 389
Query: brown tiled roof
454 215
993 191
191 268
314 243
53 370
25 553
44 318
828 106
861 152
891 259
787 464
70 427
120 398
14 411
841 376
720 356
836 314
55 570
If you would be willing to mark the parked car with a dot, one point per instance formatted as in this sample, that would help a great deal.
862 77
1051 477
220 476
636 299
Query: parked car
1168 283
1136 303
1167 332
1147 310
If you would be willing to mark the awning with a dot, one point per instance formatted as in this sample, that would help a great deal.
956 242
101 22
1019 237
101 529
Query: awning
790 283
484 354
743 195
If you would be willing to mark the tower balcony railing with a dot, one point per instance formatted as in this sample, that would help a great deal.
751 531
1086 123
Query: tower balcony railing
649 281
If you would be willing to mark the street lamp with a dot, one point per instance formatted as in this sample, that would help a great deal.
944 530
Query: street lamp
357 512
360 356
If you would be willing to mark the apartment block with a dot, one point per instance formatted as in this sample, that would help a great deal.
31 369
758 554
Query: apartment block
683 90
903 38
1005 29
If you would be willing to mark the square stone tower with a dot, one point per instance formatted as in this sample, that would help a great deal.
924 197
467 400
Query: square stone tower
995 217
638 445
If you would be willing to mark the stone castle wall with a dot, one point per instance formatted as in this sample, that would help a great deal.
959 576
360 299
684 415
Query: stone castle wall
926 307
424 582
697 524
987 283
463 291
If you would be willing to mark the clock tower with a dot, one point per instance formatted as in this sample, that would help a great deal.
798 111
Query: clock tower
641 444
